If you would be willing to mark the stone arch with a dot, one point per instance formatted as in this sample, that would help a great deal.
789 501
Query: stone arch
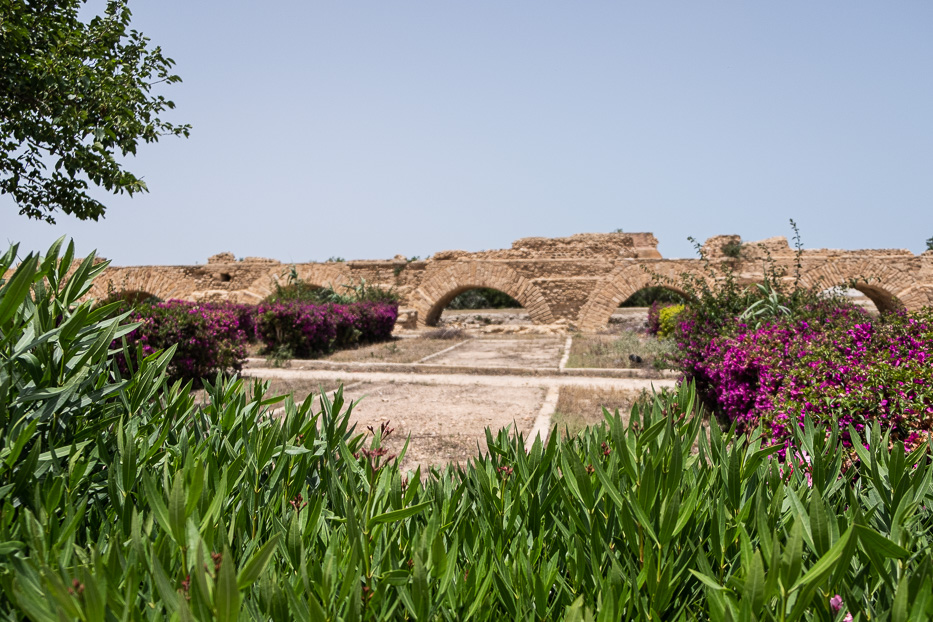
619 285
438 289
164 283
886 286
333 275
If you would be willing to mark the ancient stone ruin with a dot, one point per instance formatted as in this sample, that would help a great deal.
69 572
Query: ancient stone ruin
579 279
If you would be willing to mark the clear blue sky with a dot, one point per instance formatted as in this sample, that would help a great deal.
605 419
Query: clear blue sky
365 129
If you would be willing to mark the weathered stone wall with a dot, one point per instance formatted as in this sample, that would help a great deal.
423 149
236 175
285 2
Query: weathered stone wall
581 278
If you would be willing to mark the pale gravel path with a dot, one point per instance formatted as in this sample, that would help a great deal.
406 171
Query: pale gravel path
460 379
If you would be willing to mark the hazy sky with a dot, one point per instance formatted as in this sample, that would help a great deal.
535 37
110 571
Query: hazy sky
368 129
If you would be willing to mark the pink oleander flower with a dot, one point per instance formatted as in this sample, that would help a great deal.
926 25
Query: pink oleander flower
836 602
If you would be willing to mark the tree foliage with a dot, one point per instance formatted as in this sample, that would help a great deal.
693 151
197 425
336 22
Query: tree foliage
75 97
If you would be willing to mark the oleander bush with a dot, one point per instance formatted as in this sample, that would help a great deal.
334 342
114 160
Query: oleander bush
121 498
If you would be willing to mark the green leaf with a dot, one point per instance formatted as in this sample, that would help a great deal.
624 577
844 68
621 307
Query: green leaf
754 590
226 592
154 497
176 507
819 523
397 515
901 601
256 564
10 546
878 543
836 555
707 581
16 289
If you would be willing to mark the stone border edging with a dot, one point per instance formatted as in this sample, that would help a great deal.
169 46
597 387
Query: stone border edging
566 356
444 351
492 370
542 424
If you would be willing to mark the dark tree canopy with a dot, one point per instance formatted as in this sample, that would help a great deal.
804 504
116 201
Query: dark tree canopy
74 98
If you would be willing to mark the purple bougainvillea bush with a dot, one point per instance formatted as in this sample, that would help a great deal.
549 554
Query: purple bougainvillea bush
838 365
309 329
209 337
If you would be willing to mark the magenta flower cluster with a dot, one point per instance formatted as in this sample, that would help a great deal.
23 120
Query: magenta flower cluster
836 365
310 329
209 337
212 337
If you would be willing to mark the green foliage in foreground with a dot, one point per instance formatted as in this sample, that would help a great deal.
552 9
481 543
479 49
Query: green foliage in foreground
142 505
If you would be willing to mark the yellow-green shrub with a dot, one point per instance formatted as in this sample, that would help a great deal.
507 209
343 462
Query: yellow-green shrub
668 320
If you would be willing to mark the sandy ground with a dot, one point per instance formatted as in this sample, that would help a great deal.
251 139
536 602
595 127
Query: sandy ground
505 352
446 423
446 414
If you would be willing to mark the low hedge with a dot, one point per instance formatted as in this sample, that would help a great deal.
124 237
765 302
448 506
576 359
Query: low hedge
209 338
308 330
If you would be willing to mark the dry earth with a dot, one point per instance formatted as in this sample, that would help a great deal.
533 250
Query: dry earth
513 351
445 423
397 350
446 414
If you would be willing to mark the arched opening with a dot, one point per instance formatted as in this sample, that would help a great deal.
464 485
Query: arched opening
437 291
873 299
483 298
647 296
632 313
480 306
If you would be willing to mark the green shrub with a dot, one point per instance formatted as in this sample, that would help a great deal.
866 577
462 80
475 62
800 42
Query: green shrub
296 289
732 249
667 320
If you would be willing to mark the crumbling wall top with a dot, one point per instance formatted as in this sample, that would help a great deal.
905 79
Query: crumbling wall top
579 246
222 258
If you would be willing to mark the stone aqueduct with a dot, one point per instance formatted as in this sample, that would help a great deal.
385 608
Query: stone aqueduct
580 279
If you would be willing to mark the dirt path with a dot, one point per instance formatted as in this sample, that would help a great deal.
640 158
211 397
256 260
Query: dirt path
497 380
